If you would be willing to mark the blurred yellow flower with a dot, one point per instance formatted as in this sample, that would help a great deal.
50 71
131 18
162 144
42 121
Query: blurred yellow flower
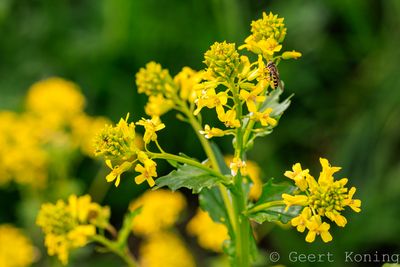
70 225
16 250
165 249
160 210
22 158
158 105
153 79
55 100
186 80
210 235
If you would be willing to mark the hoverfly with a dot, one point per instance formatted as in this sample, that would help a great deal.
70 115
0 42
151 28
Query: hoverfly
274 74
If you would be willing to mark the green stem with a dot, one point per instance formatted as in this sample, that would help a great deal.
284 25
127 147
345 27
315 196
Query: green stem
242 238
266 205
123 253
191 162
214 163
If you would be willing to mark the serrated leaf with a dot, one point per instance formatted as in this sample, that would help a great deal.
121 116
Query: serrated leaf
271 192
187 176
276 213
272 101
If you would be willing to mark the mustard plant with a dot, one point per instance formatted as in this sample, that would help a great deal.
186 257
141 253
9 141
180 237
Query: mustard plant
243 88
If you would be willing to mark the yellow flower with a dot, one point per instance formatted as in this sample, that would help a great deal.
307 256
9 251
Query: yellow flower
70 225
299 200
229 119
210 235
160 210
267 34
354 204
117 142
55 100
222 59
325 198
291 54
158 105
264 117
147 170
165 249
151 126
186 80
210 99
238 165
269 26
212 132
117 171
300 222
298 175
252 98
16 250
316 227
154 80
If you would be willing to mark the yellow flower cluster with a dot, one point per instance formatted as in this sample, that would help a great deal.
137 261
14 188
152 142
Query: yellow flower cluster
69 225
267 35
323 198
210 235
120 147
165 249
232 81
16 250
53 120
160 211
166 93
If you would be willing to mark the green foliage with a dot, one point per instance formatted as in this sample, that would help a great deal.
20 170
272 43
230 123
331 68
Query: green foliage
187 176
272 192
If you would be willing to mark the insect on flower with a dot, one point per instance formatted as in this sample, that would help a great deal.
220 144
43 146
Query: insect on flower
274 74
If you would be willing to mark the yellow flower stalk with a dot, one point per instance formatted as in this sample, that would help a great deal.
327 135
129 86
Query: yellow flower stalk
16 249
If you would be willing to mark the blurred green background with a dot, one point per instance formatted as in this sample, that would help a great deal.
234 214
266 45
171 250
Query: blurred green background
347 89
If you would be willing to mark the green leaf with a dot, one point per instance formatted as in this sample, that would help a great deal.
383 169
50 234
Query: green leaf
211 199
220 159
272 101
272 192
188 176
